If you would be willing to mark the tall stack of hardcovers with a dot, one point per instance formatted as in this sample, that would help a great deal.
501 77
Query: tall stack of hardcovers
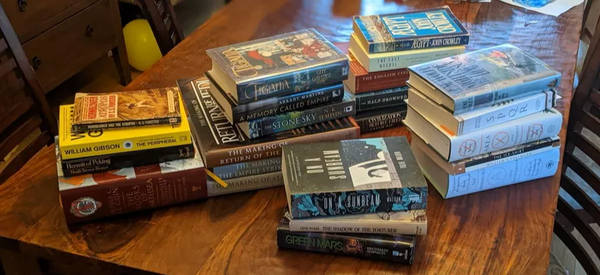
362 198
261 95
484 119
383 46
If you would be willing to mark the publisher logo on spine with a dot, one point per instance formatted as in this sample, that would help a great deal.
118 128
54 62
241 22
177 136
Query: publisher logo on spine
84 207
128 144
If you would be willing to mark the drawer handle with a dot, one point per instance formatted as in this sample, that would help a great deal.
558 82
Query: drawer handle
37 62
89 31
22 4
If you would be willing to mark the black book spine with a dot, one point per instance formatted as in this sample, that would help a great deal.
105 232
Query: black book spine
381 121
97 164
389 248
380 99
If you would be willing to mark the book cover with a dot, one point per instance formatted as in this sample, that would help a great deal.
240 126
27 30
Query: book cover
125 109
511 172
250 168
361 81
97 164
404 31
381 99
282 64
245 184
352 177
265 126
223 143
93 196
396 248
75 145
380 119
409 222
481 78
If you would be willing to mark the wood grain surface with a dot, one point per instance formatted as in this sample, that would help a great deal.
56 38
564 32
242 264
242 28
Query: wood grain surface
503 231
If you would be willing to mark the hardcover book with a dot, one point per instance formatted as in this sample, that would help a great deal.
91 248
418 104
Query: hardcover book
250 168
93 196
380 119
223 143
410 30
125 109
533 127
74 145
469 122
381 99
482 78
410 222
361 81
245 184
395 248
278 65
517 170
274 105
352 177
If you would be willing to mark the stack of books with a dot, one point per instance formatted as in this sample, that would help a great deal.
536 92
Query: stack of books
261 95
125 151
363 198
484 119
383 46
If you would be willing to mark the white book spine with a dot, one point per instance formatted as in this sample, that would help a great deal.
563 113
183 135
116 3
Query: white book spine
520 170
244 184
385 63
512 133
504 111
359 227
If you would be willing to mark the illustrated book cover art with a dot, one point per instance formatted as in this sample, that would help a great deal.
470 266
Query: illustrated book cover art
223 143
422 29
93 196
278 65
94 111
352 177
100 142
481 78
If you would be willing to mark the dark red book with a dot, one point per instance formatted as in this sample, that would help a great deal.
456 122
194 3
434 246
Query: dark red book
361 81
93 196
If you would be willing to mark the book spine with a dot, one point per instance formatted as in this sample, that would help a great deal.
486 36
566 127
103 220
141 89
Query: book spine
505 111
380 122
245 184
380 80
97 164
420 43
149 189
381 99
505 135
370 247
512 90
518 153
292 82
328 204
250 168
284 104
125 124
359 226
378 64
520 170
270 125
272 149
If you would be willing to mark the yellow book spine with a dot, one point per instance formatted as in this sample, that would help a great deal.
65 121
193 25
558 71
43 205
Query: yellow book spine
125 145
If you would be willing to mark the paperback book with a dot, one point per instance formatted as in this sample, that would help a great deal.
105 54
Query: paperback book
381 99
413 30
352 177
380 119
278 65
361 81
256 167
244 184
125 109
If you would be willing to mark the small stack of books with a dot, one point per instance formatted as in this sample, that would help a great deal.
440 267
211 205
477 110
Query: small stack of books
383 46
484 119
125 151
261 95
363 198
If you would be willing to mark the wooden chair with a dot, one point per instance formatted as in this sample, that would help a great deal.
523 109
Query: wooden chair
26 122
164 24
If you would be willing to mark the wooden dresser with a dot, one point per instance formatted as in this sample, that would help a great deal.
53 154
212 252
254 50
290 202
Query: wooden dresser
61 37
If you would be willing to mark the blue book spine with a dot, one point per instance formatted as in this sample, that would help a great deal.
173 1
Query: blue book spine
283 104
419 43
249 168
381 99
293 82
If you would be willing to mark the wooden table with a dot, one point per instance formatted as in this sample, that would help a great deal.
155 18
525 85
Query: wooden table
504 231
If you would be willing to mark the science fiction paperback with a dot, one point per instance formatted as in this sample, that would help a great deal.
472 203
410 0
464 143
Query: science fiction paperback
379 119
352 177
381 99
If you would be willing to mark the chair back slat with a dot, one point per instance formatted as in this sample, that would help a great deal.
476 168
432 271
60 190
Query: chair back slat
563 229
163 21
